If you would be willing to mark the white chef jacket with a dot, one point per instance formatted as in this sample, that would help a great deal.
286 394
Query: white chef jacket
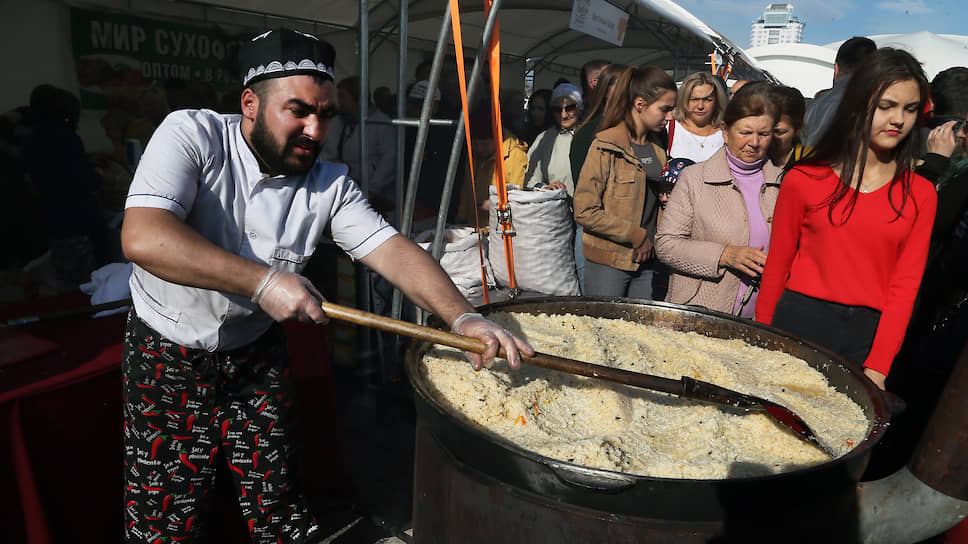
199 167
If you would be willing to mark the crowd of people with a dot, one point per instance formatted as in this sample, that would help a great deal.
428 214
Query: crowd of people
843 220
818 218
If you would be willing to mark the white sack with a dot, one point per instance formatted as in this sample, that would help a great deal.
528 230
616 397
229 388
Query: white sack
460 258
544 252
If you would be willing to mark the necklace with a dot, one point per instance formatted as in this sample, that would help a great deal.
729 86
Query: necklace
702 139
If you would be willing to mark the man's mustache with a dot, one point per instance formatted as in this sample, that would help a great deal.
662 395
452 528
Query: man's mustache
303 141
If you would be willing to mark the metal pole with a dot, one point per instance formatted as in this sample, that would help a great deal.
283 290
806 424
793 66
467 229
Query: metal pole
362 275
675 61
406 219
364 173
401 107
438 244
416 122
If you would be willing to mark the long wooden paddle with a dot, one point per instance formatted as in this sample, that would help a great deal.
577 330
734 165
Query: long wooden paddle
684 387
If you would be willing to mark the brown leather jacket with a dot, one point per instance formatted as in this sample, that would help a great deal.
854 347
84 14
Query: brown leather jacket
610 199
705 213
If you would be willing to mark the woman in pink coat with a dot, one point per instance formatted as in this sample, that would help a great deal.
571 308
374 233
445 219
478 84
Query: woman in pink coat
716 226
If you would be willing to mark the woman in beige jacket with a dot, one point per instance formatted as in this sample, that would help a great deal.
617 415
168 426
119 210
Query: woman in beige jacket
613 203
715 228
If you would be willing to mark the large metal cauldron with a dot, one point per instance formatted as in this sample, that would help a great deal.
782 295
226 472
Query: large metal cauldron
471 485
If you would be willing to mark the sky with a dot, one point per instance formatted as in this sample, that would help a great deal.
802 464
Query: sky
828 21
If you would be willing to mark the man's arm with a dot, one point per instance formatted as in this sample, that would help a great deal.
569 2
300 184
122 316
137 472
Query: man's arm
158 241
424 282
417 274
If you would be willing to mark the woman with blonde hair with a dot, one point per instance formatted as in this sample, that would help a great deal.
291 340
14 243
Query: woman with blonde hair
614 204
696 133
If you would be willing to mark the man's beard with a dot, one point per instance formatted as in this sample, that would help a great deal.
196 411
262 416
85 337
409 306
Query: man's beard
267 150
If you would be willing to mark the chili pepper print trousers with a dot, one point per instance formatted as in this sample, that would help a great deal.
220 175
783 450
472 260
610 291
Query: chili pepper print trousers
182 408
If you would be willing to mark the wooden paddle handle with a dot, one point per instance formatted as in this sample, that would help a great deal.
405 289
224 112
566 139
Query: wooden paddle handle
466 343
403 328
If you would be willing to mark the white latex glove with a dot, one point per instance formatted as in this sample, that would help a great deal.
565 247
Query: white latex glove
284 295
494 338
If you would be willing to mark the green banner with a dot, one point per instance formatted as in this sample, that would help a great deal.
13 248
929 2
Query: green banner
119 56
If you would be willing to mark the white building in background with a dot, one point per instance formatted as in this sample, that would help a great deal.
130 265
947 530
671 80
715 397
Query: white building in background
778 24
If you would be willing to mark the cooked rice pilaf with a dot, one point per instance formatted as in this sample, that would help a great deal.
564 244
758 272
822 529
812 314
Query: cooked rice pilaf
609 426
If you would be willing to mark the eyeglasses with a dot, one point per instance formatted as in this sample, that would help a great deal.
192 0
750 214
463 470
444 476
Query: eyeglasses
570 108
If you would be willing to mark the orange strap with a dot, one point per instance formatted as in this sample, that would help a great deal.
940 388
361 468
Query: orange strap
503 212
462 79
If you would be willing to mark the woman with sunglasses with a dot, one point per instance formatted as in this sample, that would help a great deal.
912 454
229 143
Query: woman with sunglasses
613 201
696 133
853 221
549 158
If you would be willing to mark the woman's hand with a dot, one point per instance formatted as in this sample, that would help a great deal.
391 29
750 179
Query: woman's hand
555 185
746 260
876 377
644 252
942 140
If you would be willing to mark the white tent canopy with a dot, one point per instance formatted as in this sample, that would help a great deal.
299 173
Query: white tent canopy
659 32
810 68
936 52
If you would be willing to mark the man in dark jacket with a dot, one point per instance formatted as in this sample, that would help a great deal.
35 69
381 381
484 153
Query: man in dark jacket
822 109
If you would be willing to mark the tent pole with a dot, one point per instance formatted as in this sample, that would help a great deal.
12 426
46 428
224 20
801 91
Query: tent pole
365 337
401 107
406 220
675 60
455 151
364 174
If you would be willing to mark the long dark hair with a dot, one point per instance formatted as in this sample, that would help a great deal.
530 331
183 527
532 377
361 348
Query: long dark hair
790 102
599 95
544 94
847 140
648 83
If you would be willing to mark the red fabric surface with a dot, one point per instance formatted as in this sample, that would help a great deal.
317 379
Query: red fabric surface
60 412
16 347
957 534
36 524
60 465
872 260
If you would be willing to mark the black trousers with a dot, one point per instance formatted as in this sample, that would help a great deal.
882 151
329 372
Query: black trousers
183 410
846 330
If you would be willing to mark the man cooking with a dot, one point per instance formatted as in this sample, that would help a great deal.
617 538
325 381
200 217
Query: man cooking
222 215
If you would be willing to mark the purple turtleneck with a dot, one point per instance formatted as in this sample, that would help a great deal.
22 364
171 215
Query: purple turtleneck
749 178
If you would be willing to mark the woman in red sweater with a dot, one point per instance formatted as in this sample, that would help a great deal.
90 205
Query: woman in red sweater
853 221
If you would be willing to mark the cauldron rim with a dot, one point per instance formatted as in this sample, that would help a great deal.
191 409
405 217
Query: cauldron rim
878 422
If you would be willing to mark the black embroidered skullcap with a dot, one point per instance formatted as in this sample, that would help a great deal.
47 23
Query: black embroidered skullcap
284 52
